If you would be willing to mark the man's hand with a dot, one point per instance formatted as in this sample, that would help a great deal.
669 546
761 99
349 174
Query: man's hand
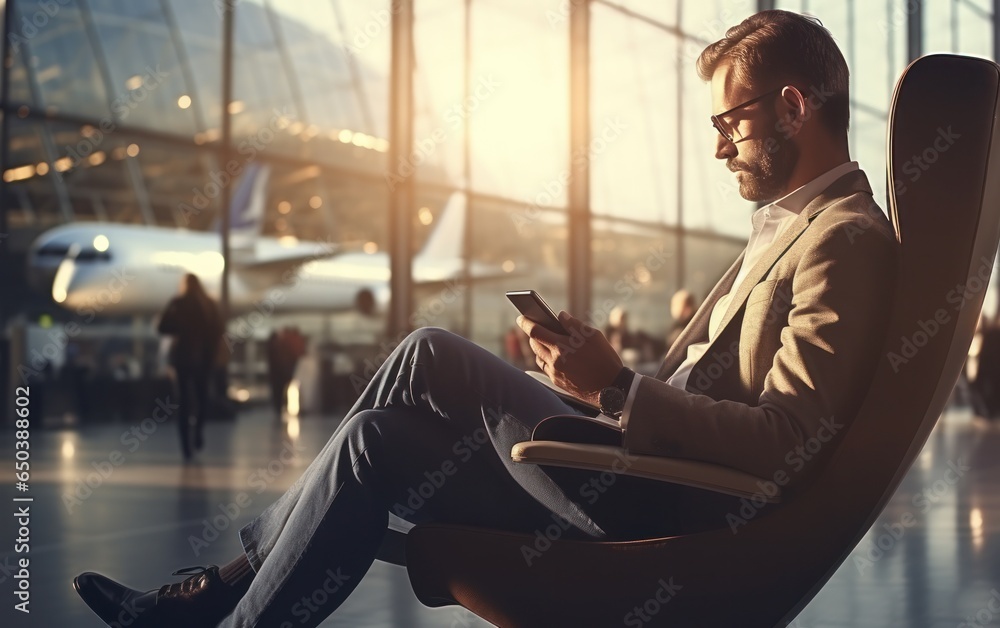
582 363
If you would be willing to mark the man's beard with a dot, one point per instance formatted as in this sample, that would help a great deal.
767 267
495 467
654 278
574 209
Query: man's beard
765 175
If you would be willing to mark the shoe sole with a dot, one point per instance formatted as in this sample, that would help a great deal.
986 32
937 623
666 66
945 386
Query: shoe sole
79 592
135 620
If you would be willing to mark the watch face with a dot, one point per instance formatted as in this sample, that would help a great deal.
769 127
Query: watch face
612 401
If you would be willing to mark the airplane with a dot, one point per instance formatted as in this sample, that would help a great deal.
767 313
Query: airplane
114 269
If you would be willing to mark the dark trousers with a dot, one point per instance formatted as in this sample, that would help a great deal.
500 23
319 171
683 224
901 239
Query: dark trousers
192 389
424 441
279 392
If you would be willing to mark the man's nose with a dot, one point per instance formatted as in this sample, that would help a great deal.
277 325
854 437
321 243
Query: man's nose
724 149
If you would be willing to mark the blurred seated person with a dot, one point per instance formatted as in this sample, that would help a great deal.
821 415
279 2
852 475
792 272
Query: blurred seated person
616 330
682 308
624 342
983 370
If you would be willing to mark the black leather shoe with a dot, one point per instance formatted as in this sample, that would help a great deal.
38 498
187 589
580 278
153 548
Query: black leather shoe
200 601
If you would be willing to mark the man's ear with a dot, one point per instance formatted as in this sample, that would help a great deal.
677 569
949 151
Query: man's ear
794 105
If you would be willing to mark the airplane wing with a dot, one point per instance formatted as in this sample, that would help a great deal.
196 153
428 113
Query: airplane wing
278 262
479 273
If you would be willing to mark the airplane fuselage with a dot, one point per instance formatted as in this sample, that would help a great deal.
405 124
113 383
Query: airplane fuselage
141 268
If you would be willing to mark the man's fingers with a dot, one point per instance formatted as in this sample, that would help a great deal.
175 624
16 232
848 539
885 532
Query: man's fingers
546 368
540 349
536 331
526 324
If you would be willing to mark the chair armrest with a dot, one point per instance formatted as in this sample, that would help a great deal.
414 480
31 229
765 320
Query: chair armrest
702 475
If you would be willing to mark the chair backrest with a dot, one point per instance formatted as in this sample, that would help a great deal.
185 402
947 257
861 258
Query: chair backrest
944 202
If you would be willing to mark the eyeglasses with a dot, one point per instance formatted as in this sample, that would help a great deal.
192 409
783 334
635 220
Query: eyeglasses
723 128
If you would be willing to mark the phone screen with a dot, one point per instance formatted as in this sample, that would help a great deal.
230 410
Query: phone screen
529 303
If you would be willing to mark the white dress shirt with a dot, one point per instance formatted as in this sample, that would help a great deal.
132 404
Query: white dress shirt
767 223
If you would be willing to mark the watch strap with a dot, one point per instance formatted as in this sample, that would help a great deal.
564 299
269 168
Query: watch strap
623 381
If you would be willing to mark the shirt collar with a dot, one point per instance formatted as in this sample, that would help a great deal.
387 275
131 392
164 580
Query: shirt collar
795 201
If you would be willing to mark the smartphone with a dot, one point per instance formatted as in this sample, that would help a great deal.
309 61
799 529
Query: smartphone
529 303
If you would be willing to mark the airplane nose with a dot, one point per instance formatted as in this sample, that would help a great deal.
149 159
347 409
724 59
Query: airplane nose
65 282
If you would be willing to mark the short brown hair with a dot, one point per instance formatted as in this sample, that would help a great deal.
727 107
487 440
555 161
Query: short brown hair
781 45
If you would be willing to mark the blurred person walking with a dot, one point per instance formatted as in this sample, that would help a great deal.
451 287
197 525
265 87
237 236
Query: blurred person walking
284 348
193 320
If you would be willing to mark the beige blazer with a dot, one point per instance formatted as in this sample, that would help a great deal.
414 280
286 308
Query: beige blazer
796 348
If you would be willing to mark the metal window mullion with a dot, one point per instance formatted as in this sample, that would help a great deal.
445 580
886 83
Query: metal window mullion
25 201
355 72
467 228
185 64
139 188
6 65
98 205
228 22
49 150
7 356
135 175
578 188
996 30
852 42
914 30
290 74
680 270
401 195
953 22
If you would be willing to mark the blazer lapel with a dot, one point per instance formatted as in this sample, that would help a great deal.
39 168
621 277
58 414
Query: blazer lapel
763 265
697 329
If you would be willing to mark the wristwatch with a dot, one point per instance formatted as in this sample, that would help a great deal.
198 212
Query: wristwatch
613 397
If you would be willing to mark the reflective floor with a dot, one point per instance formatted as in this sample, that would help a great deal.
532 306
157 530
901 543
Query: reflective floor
121 503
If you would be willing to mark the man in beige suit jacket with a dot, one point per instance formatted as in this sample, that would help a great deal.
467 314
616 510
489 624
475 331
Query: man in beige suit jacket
778 356
797 347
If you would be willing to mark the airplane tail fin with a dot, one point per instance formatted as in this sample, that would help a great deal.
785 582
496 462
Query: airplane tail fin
446 240
246 206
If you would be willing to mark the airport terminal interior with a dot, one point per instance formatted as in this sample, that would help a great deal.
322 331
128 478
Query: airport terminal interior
338 173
